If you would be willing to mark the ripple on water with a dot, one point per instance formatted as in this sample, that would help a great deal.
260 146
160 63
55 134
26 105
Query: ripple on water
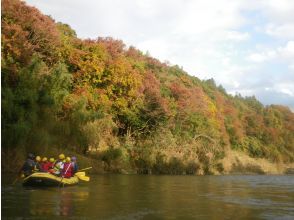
140 214
157 197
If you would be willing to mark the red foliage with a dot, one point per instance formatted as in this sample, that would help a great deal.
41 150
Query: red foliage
153 97
29 31
189 99
114 47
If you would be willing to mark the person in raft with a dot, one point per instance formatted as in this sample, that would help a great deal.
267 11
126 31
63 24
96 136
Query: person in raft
37 164
58 165
45 165
68 169
29 165
74 164
51 163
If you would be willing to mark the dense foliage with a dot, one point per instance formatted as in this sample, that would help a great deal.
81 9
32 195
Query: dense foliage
100 96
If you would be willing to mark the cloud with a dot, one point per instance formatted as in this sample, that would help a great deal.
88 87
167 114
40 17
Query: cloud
283 31
280 54
246 45
280 11
237 36
262 57
287 52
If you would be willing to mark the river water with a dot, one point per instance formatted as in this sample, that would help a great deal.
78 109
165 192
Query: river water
119 197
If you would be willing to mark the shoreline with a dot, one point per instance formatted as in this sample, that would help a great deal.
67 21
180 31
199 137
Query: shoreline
234 163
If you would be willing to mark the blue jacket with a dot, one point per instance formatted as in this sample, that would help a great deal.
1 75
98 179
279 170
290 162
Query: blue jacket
28 167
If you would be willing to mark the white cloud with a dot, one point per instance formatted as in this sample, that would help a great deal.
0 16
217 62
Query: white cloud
237 36
208 38
262 56
282 31
286 88
280 54
280 11
287 52
257 57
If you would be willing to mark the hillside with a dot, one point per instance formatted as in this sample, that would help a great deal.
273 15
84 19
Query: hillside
114 103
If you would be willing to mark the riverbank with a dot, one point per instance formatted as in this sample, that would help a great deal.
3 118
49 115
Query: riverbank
234 162
240 163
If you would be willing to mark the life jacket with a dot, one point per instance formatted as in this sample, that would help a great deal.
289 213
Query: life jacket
50 165
45 166
67 171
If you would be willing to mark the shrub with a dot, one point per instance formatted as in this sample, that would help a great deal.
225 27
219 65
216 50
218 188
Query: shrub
143 166
219 167
160 165
175 166
111 155
192 168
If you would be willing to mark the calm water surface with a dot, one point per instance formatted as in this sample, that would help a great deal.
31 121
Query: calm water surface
154 197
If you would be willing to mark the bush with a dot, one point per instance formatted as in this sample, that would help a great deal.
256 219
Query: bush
143 166
160 165
192 168
175 166
249 168
253 146
219 167
111 155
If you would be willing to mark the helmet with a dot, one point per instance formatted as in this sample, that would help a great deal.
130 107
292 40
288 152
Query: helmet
51 159
68 159
61 156
38 158
73 158
31 156
64 160
44 159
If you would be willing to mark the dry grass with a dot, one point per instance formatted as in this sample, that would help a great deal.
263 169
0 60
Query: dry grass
239 162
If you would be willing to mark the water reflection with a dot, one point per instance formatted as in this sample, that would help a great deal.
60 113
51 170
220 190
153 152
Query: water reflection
156 197
55 202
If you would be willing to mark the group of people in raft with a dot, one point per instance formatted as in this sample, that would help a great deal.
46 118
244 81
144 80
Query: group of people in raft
64 167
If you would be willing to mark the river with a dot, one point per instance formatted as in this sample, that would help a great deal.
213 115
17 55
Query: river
118 197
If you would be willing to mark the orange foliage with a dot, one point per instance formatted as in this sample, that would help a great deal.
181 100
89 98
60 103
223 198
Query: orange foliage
189 99
29 31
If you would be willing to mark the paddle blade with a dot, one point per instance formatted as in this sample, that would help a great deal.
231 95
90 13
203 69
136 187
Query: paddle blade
80 173
82 176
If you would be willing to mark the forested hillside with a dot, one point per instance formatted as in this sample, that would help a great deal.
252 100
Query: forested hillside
116 104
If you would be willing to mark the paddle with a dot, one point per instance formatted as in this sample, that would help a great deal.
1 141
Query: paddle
18 175
88 168
81 176
61 182
81 173
17 178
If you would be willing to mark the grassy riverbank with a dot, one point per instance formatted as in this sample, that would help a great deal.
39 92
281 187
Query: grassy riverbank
114 162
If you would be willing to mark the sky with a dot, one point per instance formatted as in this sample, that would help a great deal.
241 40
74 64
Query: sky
247 46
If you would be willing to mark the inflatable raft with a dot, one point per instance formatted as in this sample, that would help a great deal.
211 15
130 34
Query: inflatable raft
47 179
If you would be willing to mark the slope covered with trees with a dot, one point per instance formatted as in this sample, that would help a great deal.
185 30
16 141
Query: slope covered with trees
121 106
